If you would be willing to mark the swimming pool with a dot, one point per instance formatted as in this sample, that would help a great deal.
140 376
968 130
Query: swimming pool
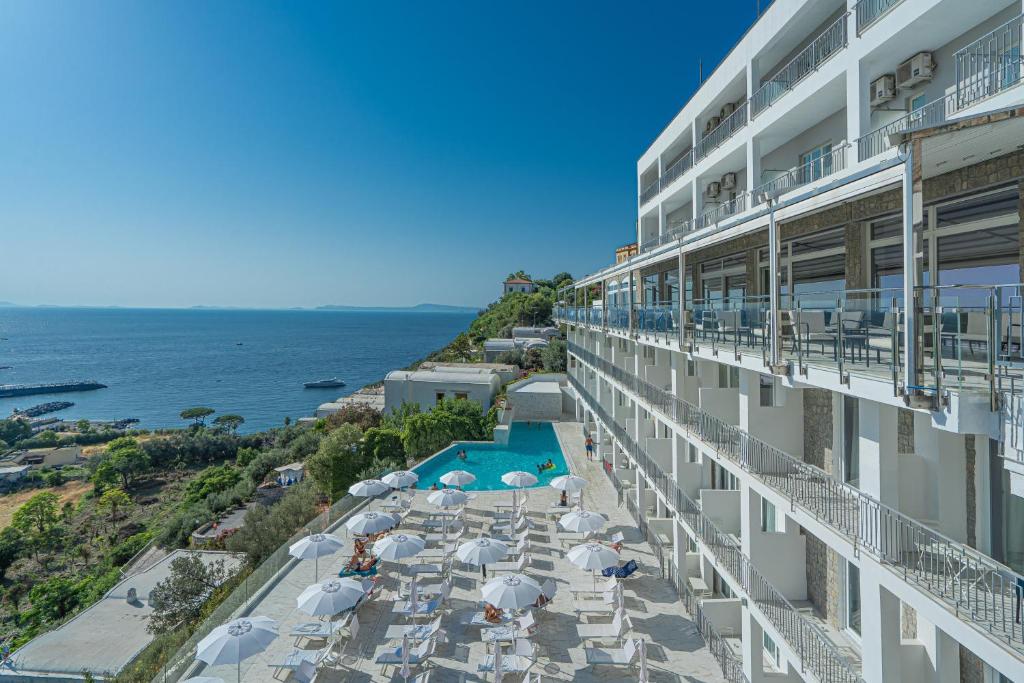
528 445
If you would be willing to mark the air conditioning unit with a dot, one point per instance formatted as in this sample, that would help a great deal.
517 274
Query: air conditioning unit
728 109
712 124
729 181
713 190
883 89
917 69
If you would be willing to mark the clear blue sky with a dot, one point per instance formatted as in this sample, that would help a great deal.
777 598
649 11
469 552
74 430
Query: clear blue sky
295 154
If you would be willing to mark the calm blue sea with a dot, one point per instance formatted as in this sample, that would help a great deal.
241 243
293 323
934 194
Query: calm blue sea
157 362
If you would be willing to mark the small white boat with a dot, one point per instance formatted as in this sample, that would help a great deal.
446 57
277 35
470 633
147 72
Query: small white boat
324 383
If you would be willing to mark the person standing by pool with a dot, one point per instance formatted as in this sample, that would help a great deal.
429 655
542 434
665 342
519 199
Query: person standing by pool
590 448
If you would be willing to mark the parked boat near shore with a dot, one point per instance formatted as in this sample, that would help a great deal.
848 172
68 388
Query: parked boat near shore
324 383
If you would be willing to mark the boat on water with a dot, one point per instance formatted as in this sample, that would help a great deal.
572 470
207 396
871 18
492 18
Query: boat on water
324 384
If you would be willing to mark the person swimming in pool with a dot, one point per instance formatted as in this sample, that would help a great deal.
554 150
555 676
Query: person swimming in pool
461 455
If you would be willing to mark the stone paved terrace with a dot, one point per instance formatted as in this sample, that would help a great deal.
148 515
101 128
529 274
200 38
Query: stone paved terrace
676 651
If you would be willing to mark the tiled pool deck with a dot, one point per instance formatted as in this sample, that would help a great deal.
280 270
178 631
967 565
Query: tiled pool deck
675 649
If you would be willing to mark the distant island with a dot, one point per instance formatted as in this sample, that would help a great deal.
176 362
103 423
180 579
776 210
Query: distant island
418 308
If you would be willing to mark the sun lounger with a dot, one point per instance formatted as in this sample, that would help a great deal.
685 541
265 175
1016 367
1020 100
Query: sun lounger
523 627
426 591
423 608
321 630
590 593
548 590
623 656
417 655
415 632
477 619
521 659
296 657
609 603
518 566
372 571
598 631
426 568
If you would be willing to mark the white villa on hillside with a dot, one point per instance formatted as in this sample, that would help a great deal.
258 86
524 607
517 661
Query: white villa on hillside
428 387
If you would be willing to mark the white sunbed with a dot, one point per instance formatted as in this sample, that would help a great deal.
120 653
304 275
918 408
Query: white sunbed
477 619
598 631
417 655
415 631
521 658
523 627
623 656
518 566
426 568
591 593
296 657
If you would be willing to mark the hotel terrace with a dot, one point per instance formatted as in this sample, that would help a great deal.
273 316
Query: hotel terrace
807 384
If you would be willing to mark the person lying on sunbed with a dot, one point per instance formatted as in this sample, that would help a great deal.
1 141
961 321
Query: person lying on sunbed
367 564
492 614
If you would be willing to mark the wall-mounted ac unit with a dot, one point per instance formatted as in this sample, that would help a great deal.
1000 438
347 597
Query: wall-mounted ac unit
917 69
713 190
729 181
883 89
712 124
728 109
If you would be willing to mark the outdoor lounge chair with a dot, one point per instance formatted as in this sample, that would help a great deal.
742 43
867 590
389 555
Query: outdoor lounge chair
623 656
619 625
417 655
521 659
518 566
423 609
610 602
414 631
548 590
591 593
523 627
623 572
292 660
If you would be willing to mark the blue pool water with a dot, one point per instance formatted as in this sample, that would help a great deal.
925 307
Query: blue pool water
528 445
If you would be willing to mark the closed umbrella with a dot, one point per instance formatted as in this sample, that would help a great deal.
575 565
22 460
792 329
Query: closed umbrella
400 479
330 597
236 640
405 671
458 478
481 552
315 546
368 488
397 546
370 523
592 556
582 521
643 678
513 591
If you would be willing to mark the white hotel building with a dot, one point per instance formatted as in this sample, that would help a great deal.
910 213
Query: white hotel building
807 385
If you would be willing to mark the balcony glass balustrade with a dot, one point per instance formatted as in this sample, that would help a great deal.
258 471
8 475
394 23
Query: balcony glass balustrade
977 588
658 321
737 323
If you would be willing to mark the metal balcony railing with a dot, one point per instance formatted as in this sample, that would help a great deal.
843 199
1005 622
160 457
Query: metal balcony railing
870 11
821 49
722 211
810 644
931 114
990 65
804 174
725 130
976 587
677 169
650 192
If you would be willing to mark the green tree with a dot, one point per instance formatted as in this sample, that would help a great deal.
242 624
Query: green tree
114 499
448 421
14 430
212 480
12 543
178 599
37 517
83 426
336 462
553 356
198 414
126 460
229 422
54 599
384 445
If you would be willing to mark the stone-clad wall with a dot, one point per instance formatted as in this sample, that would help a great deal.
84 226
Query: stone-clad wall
818 428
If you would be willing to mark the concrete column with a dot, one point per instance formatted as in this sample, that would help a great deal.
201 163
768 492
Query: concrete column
753 169
858 113
879 467
753 648
679 548
880 627
599 442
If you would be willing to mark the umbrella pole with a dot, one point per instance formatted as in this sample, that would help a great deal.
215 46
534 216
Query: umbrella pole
238 670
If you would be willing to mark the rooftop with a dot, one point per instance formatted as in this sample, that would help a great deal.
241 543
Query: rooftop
518 281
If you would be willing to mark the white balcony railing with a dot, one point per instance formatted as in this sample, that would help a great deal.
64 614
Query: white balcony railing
804 174
725 130
831 41
990 65
870 11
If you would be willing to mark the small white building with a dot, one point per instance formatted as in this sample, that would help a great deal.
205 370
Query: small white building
428 387
493 348
518 284
546 333
14 473
289 474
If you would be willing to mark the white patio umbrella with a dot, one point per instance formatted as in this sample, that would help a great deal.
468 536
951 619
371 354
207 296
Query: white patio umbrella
519 480
513 591
481 552
592 556
330 597
370 523
236 640
315 546
397 546
458 478
569 483
582 521
447 498
368 488
400 479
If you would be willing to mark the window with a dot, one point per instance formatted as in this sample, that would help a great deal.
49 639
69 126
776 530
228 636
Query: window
771 650
691 453
691 545
461 395
767 392
691 368
769 521
728 376
853 597
851 438
817 163
438 397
